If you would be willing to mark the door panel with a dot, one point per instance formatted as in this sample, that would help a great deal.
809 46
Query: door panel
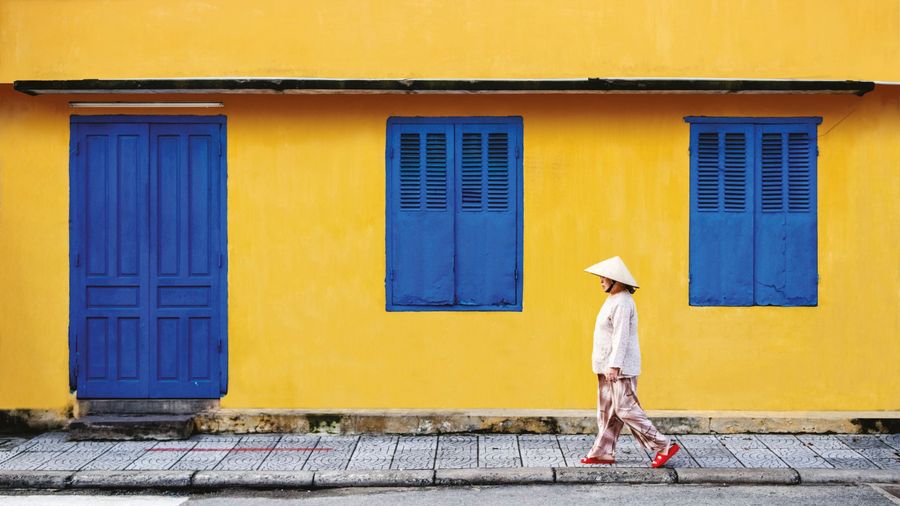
148 259
110 293
183 283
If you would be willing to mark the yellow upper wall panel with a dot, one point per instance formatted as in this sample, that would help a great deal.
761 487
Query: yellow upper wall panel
808 39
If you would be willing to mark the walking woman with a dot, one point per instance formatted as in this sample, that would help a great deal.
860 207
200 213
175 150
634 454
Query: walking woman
617 362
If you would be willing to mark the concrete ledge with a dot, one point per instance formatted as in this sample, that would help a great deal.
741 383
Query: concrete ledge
131 427
375 478
614 475
34 479
86 407
817 476
131 479
737 476
538 421
33 420
253 479
493 476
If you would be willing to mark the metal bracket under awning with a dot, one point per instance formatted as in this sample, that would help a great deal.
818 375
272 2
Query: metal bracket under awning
438 86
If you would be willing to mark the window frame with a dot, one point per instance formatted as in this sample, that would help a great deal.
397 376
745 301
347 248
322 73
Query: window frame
754 123
517 129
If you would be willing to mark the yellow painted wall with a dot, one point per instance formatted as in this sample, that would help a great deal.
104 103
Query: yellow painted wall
73 39
603 175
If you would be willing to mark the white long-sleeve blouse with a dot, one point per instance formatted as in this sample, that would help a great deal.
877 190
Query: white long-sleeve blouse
616 337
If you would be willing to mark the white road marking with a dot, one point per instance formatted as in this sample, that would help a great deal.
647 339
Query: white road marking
885 493
90 500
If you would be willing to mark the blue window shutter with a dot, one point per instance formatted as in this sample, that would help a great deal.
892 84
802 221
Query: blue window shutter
421 207
486 213
785 222
721 228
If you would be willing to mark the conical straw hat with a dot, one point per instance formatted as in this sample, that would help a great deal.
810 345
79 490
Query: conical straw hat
613 268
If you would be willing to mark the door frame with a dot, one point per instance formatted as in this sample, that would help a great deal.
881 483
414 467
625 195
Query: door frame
75 240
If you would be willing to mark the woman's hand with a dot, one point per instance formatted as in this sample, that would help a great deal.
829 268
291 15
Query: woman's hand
612 374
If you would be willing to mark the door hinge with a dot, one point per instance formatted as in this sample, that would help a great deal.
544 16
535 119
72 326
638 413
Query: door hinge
390 153
393 276
518 152
516 274
219 145
77 148
221 260
219 346
77 259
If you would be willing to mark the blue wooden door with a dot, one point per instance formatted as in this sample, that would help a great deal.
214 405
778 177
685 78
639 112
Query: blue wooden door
148 248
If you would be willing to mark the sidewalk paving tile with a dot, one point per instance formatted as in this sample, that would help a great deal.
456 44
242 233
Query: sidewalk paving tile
701 441
417 443
892 440
358 464
375 448
162 456
500 462
742 442
500 450
425 463
878 453
120 456
887 463
249 453
821 442
541 451
205 455
862 441
456 463
683 458
26 461
852 463
79 455
290 453
325 464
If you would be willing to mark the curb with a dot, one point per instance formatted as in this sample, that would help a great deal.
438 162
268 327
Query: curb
493 476
34 479
378 478
737 476
253 479
614 475
822 476
131 479
211 480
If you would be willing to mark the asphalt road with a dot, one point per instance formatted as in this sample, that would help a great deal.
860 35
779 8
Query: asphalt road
534 494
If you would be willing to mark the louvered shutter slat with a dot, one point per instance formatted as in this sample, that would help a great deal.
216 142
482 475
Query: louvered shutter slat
707 176
471 184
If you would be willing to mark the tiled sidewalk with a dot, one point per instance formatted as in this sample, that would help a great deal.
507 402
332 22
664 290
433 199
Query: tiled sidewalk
286 452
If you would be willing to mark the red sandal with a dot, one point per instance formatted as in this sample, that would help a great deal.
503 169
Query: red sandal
598 460
661 458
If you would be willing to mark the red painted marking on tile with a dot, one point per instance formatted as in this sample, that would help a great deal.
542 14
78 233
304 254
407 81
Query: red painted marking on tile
261 449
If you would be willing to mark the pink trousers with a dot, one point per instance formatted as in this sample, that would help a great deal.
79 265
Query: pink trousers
618 405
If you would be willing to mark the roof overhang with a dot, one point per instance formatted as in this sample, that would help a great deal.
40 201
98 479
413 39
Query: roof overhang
415 86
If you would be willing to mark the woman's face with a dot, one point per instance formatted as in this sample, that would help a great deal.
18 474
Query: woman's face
606 282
